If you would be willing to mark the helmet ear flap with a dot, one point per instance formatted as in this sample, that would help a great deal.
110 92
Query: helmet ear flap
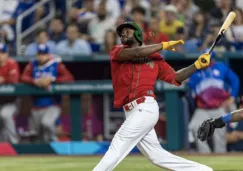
138 36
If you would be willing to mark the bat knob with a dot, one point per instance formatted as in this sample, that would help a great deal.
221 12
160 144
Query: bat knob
203 60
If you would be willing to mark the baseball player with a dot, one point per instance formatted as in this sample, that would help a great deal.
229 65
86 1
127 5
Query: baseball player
213 99
41 72
9 74
135 69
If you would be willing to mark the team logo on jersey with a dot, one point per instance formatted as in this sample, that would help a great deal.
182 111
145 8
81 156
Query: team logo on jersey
151 64
216 72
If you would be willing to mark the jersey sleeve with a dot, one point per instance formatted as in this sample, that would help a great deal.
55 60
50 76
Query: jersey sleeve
115 51
167 73
63 74
26 77
13 73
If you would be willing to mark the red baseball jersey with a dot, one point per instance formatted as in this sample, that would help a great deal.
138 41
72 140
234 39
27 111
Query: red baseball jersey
136 78
10 71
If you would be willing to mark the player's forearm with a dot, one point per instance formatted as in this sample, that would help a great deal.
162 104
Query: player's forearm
139 52
27 79
65 78
185 73
236 117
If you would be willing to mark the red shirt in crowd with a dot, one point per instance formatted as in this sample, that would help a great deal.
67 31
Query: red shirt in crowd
63 74
152 38
10 71
134 79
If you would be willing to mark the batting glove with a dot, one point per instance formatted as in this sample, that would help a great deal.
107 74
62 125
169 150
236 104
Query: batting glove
203 61
169 45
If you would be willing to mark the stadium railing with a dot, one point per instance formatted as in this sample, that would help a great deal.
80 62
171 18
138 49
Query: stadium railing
172 99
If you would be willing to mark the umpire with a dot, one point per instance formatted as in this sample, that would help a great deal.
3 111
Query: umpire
214 90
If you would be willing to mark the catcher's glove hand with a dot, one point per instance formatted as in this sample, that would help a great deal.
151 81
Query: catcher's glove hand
206 130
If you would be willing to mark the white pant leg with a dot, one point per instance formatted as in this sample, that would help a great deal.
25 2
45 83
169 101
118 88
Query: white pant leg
198 117
6 114
35 121
151 148
50 116
137 124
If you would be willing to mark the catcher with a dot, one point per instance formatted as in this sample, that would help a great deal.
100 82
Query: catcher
207 128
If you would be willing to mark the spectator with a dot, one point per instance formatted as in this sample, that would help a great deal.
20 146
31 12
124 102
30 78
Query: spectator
239 4
56 30
41 38
223 8
190 45
22 6
131 4
198 28
112 7
153 35
85 15
41 72
235 34
100 24
138 16
40 13
120 20
7 9
169 23
213 99
9 74
6 34
213 29
155 7
110 40
73 45
88 12
72 16
187 9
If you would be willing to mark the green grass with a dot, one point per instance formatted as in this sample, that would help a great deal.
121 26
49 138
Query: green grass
131 163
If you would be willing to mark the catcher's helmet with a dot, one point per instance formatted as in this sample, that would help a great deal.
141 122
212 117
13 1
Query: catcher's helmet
138 34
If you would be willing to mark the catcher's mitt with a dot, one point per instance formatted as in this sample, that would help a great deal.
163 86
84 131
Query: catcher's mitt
206 130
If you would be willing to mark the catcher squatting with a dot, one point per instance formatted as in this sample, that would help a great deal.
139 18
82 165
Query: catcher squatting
135 68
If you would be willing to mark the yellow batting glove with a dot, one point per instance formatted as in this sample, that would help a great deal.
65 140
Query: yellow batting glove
169 45
203 61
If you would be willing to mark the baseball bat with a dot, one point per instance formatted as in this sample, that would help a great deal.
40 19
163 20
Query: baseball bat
230 18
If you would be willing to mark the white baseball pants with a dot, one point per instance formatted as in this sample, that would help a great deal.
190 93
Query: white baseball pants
43 121
8 131
138 129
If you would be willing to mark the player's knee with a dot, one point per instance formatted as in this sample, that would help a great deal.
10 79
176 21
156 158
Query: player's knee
5 115
47 125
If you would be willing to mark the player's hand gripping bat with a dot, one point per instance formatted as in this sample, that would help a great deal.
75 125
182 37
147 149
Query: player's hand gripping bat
230 18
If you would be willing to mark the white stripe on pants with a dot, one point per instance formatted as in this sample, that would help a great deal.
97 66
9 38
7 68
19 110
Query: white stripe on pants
138 129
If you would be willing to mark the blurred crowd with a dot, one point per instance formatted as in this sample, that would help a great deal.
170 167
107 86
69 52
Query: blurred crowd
90 24
88 27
